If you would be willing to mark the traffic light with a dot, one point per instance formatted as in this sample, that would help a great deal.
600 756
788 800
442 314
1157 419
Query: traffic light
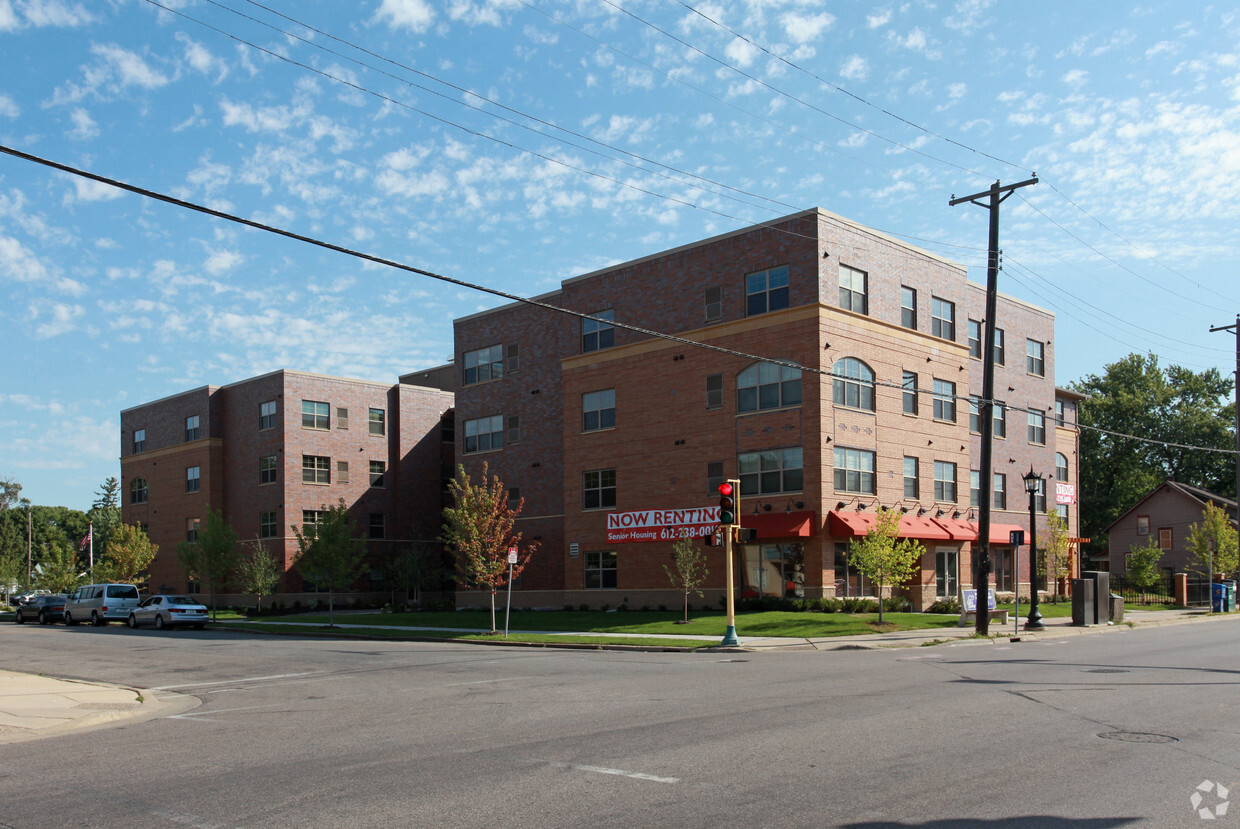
714 539
727 504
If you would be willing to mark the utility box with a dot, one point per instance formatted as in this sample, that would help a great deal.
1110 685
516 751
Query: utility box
1083 602
1231 596
1102 593
1117 608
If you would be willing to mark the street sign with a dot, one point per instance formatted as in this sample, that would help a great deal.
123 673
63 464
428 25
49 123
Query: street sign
512 555
1016 537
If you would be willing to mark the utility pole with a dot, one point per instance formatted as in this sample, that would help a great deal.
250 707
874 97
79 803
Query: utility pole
990 200
1236 328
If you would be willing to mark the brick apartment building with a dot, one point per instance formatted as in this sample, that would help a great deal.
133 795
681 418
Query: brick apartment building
584 419
272 450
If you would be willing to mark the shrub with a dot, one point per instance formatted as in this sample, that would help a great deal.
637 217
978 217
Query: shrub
949 605
827 605
662 608
583 607
858 604
897 604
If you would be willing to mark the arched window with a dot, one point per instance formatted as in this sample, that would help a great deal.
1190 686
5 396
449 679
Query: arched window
137 491
854 384
767 386
1061 467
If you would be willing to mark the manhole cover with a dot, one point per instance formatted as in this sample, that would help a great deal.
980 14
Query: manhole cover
1137 737
1106 671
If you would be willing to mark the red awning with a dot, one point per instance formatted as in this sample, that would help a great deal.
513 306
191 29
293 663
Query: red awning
847 524
999 534
957 529
781 524
850 524
918 526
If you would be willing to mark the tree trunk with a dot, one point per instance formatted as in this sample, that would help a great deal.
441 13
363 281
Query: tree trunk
880 602
493 628
686 607
331 608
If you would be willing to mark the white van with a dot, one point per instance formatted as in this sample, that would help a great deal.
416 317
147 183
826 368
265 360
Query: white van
101 603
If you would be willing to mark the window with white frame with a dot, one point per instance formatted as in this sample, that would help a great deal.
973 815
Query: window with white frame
942 318
1035 358
267 524
193 475
853 290
138 491
1000 348
975 416
999 491
598 410
909 392
483 364
268 469
1039 496
853 384
945 481
316 469
1143 525
482 434
1037 428
315 415
908 307
1061 467
599 489
192 431
912 486
342 472
944 400
767 386
377 419
598 333
139 440
975 339
1000 411
766 291
771 472
267 413
600 570
854 470
975 488
377 470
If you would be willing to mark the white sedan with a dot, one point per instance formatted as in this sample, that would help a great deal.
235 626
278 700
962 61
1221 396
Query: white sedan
168 611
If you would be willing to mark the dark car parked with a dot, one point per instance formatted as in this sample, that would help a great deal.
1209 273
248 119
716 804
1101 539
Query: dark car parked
45 609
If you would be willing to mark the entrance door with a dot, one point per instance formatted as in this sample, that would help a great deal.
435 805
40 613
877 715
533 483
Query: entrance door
946 572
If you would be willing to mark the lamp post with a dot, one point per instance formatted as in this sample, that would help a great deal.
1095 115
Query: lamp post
1033 483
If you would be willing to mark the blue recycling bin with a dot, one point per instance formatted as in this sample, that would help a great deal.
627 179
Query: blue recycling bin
1218 597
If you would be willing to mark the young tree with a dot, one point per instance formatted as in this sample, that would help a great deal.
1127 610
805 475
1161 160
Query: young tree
478 530
105 514
259 570
1143 565
1056 551
59 567
882 556
1212 539
218 543
329 553
688 570
412 568
130 552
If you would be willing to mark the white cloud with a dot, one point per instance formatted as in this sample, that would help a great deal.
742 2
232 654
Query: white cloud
19 262
201 59
63 319
84 127
88 190
855 68
487 12
805 28
415 15
130 68
878 19
222 261
8 17
1076 78
8 107
42 13
742 53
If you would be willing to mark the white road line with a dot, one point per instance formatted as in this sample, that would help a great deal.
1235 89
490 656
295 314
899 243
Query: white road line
232 681
636 775
196 714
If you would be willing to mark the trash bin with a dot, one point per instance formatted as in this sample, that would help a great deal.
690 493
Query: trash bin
1218 597
1117 608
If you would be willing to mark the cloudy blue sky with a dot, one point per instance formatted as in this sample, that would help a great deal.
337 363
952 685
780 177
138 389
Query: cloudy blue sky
515 144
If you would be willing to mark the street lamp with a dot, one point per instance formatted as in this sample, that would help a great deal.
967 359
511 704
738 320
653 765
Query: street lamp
1033 482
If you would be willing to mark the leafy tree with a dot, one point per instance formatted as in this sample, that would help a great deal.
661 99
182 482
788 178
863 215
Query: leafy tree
59 567
688 570
1212 539
129 554
412 568
882 556
10 492
329 553
478 528
12 569
1143 565
1135 396
105 514
1056 551
12 540
212 556
259 570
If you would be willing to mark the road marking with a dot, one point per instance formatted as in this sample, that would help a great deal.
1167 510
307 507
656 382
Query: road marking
636 775
233 681
197 714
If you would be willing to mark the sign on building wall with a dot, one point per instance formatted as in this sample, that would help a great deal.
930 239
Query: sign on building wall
661 524
1065 493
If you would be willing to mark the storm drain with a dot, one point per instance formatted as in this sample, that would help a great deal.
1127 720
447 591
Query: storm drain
1137 737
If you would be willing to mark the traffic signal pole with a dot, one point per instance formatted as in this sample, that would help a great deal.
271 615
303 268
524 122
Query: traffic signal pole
729 492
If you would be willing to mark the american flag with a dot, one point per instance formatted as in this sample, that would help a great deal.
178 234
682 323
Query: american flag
85 540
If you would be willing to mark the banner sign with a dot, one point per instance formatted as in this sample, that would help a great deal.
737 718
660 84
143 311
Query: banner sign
970 600
661 524
1065 493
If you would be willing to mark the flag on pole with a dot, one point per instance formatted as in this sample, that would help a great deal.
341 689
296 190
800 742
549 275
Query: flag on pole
86 539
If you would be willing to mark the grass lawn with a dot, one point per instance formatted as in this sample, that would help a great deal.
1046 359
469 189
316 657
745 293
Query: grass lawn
530 638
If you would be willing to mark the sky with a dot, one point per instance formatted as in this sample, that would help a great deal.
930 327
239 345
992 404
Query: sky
515 144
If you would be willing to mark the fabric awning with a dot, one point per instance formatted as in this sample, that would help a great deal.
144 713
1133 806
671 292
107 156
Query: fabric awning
918 526
1000 534
851 524
957 529
781 524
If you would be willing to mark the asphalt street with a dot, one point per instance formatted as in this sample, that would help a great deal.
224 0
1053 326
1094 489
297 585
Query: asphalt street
1123 729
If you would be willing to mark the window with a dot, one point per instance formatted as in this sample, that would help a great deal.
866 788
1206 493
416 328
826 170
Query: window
267 415
377 470
1035 358
191 530
1037 428
975 488
600 573
853 295
310 520
1039 496
514 358
513 435
375 527
514 498
713 300
191 428
314 415
1061 467
1164 538
714 477
767 386
267 524
942 318
772 471
342 418
945 481
1000 419
137 491
944 400
909 385
193 474
484 434
598 410
1000 491
1143 525
854 470
377 424
853 384
975 339
316 469
268 469
598 333
714 391
912 489
342 472
139 440
908 307
766 291
484 364
1000 350
599 489
975 416
1059 413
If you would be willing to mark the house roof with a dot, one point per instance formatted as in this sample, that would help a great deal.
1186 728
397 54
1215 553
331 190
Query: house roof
1194 493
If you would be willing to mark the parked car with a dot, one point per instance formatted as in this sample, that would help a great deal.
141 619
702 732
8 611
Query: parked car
101 603
164 611
47 608
29 596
